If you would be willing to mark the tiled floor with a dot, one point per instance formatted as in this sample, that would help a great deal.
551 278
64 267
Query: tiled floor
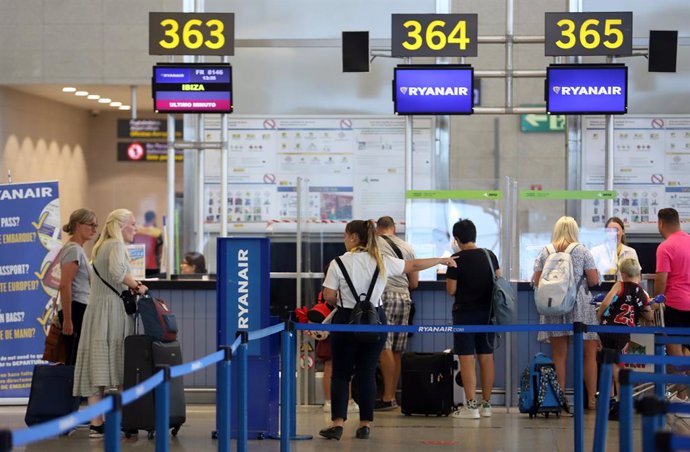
391 432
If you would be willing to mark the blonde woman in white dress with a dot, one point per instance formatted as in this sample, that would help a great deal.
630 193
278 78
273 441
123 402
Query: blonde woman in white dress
100 358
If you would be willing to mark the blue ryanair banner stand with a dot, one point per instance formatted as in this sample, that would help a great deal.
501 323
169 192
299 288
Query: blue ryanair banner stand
243 304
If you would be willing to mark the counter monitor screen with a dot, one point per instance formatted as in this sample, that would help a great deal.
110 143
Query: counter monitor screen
433 89
192 88
587 89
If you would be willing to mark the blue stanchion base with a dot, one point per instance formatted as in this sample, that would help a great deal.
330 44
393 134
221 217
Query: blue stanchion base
294 438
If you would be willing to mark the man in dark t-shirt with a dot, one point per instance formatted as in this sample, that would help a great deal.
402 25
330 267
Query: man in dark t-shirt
471 284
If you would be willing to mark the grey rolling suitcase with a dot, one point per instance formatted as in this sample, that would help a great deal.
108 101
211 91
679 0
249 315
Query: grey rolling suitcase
143 356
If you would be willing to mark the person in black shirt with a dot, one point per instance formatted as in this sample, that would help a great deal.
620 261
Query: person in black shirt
471 284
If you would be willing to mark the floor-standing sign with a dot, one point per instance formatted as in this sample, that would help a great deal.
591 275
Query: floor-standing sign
29 279
243 304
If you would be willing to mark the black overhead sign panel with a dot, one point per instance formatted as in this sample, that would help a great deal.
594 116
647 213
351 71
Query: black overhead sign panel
592 33
434 35
192 34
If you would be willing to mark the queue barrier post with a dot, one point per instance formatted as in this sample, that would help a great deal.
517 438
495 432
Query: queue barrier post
242 390
660 388
607 358
286 373
5 440
625 411
113 420
223 400
579 329
662 441
162 398
650 407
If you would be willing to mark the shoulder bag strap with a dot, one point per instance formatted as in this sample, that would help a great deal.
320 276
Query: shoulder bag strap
372 283
491 264
352 286
396 248
95 270
347 279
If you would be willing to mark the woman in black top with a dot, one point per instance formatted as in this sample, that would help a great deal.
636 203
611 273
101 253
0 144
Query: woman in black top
471 284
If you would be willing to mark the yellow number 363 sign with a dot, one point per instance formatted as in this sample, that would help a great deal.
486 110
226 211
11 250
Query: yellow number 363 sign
191 34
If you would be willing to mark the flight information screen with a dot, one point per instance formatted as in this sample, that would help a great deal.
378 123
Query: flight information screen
587 89
433 90
192 88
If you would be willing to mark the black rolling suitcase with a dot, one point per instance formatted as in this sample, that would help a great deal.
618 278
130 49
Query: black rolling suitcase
51 393
427 384
143 356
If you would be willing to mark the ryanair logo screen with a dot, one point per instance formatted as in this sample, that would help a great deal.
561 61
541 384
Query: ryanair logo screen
585 89
428 90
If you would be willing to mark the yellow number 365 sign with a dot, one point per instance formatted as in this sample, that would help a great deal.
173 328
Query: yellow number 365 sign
191 34
591 33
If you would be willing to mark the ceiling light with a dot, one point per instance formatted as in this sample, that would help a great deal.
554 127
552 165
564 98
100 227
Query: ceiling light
104 100
125 107
93 96
81 93
115 104
69 89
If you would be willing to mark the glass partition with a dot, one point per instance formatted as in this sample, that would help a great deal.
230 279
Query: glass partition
431 215
539 209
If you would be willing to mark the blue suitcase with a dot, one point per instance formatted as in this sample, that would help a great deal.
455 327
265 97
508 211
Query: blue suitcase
540 392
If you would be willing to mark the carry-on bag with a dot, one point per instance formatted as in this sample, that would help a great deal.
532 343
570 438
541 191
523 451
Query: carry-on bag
427 383
51 393
540 392
159 322
143 358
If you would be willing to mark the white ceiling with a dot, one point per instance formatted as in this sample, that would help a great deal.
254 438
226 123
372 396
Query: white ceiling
119 93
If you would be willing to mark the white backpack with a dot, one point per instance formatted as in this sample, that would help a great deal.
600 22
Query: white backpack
557 290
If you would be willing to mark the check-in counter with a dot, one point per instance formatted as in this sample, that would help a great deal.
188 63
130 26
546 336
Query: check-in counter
194 304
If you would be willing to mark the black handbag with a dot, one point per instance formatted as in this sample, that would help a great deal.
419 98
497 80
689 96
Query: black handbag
364 312
128 297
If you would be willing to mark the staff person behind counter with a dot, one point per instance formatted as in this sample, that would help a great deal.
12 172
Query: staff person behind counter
193 263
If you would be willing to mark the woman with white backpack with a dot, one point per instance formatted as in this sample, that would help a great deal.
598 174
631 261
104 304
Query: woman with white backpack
563 273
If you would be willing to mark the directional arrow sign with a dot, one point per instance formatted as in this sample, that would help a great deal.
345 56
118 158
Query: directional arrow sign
542 123
454 194
567 194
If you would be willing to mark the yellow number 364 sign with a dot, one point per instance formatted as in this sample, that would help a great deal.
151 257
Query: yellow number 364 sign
191 34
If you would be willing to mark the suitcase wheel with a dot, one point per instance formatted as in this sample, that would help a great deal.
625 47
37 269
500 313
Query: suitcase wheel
151 434
174 431
130 433
214 434
260 436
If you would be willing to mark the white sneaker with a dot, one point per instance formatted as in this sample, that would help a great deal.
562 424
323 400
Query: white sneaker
485 409
352 407
466 413
327 406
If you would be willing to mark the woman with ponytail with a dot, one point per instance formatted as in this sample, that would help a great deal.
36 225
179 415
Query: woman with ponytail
101 355
350 356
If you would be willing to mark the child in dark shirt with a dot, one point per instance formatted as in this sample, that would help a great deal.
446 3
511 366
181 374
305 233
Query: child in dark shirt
623 305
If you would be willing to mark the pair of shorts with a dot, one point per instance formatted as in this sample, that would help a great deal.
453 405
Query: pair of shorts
677 318
397 307
472 343
614 341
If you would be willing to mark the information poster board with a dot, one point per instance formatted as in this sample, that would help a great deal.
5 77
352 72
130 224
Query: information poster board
651 168
353 167
29 280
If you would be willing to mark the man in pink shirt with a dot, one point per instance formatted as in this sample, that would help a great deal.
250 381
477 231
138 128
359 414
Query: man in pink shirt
673 273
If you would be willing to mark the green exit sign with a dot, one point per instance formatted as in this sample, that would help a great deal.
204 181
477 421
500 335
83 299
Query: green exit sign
531 123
